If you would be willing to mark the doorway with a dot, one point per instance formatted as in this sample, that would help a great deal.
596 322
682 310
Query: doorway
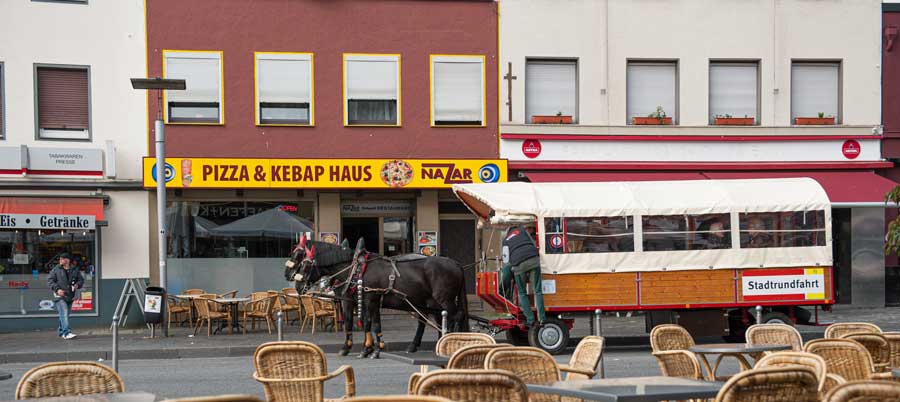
365 228
457 241
841 255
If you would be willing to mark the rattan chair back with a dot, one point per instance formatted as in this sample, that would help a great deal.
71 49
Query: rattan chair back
67 379
450 343
780 359
893 339
294 371
840 329
844 357
531 365
217 398
770 384
865 391
478 385
397 398
230 293
775 334
586 357
877 345
471 356
679 363
670 337
194 292
202 304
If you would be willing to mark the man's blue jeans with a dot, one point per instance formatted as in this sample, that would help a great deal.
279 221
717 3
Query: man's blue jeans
63 309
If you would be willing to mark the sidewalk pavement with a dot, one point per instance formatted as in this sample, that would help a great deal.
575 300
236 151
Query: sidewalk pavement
96 343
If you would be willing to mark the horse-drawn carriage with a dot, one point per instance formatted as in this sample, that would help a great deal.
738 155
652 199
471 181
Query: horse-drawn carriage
698 253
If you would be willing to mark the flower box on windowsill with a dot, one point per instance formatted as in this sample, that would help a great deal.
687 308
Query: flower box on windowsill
561 119
734 121
652 121
814 121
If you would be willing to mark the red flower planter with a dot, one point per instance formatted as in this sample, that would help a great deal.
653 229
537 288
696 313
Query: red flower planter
734 121
551 119
814 121
651 121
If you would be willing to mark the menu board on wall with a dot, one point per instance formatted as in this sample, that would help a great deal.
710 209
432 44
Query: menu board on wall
427 242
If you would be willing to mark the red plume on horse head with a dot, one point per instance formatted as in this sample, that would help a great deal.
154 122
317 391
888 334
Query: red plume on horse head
311 253
301 245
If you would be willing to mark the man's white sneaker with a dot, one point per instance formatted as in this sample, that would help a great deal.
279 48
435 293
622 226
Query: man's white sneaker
69 336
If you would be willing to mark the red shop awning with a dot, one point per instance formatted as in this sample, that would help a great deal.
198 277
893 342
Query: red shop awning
588 177
52 206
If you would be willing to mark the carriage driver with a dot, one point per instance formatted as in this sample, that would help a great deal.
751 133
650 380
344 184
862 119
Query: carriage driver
522 257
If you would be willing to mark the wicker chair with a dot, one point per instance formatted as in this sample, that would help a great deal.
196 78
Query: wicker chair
831 382
877 345
770 384
67 379
865 391
531 365
194 292
893 339
175 307
775 334
473 385
291 303
679 363
670 337
846 358
397 398
466 358
259 309
314 311
781 359
842 328
296 371
228 294
450 343
584 361
208 311
330 309
217 398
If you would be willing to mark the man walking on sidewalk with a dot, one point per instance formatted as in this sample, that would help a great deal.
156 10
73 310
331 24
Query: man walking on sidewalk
64 281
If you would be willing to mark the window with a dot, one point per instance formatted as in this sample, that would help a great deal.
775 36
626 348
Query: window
201 101
589 235
782 229
372 90
686 232
284 88
651 86
63 102
62 1
2 106
457 87
815 91
733 92
551 89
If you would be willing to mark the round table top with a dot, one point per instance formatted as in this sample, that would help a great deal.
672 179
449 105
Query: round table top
232 299
716 348
187 296
5 376
895 372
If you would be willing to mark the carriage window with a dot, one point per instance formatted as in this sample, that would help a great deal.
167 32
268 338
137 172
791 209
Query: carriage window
686 232
782 229
589 235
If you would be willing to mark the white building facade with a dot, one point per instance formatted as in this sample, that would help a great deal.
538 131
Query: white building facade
72 136
602 90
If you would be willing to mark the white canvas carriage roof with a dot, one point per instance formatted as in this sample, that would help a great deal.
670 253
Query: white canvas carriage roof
514 201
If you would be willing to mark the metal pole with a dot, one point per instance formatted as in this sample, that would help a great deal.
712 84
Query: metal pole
280 323
115 345
443 322
759 314
161 206
598 331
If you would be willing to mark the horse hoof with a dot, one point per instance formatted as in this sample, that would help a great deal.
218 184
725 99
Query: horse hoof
344 352
375 355
412 349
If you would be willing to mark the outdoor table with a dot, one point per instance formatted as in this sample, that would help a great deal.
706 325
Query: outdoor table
5 376
895 372
232 303
632 389
736 350
423 359
190 299
111 397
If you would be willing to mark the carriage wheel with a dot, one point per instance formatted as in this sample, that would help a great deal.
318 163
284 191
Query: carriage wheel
517 336
552 336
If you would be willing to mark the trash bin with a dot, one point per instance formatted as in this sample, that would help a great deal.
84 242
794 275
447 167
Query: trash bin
154 305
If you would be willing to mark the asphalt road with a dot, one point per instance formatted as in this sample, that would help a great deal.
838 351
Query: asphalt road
233 375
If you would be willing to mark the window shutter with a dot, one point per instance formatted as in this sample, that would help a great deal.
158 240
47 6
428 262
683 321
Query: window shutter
650 85
2 131
814 89
733 90
372 80
201 77
550 88
284 81
62 98
458 93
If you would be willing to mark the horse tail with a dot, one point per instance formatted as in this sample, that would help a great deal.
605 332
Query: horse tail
463 301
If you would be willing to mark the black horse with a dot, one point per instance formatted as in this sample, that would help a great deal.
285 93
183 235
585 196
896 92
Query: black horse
410 283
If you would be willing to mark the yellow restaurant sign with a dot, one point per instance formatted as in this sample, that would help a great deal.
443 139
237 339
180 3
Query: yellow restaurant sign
324 173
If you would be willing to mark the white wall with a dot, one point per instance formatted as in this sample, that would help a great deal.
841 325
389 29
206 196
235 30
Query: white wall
107 35
604 34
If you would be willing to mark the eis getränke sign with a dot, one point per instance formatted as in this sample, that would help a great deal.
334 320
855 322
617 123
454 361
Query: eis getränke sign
42 221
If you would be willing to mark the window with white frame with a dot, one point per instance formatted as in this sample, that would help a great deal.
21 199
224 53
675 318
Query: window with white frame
734 91
457 85
284 88
551 89
651 88
372 90
815 90
201 101
63 103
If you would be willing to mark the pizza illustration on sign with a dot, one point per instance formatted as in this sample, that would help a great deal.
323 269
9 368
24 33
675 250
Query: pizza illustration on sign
396 173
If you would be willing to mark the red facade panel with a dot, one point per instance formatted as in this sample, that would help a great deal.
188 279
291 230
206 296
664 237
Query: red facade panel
890 84
413 29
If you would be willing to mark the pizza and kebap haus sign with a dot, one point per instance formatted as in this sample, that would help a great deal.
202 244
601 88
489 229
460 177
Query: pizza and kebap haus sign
324 173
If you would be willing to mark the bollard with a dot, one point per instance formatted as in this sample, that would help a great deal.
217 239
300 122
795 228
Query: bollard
280 315
759 314
443 322
598 331
115 345
359 303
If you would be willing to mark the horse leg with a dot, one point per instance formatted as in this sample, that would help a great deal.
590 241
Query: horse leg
417 340
347 308
367 329
376 327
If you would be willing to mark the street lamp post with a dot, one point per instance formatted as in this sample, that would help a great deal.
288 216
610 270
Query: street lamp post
160 84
